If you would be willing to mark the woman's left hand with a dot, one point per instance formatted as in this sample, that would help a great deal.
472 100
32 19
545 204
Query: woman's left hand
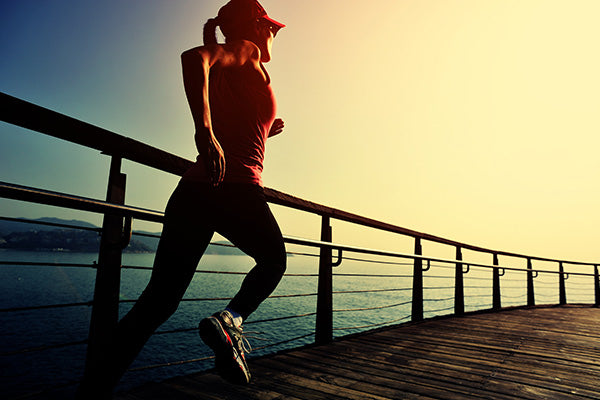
277 127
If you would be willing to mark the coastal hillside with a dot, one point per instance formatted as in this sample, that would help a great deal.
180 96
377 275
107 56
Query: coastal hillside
25 236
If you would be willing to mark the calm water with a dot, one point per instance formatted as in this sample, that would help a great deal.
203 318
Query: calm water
31 286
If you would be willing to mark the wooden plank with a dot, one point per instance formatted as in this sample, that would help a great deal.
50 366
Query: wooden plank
295 385
400 379
329 383
464 381
216 388
551 353
358 381
463 343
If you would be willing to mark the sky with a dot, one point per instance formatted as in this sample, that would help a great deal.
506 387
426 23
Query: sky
475 120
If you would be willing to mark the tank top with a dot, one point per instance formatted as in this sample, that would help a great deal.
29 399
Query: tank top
242 107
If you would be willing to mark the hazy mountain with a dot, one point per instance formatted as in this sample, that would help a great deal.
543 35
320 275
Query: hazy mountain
35 237
7 227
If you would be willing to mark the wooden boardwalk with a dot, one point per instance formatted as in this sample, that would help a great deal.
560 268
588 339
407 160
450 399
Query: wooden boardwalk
524 353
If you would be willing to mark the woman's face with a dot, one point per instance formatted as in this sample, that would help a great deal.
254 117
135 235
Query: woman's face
264 34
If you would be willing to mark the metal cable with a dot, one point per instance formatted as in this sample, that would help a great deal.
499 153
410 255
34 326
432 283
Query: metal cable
372 308
47 264
372 325
438 287
370 291
477 296
476 278
136 267
443 266
438 300
512 303
514 297
181 330
279 318
440 310
375 275
16 309
379 261
353 259
541 283
546 295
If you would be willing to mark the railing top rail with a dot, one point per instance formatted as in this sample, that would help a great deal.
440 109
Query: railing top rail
31 116
48 197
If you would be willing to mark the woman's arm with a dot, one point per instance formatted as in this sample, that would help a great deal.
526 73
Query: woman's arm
196 65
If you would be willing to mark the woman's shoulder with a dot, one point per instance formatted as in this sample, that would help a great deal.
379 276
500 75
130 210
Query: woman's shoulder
243 49
230 54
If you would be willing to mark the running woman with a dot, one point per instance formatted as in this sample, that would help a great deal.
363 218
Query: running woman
233 108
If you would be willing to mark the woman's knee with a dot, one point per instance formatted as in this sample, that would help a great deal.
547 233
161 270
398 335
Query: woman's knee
280 267
277 261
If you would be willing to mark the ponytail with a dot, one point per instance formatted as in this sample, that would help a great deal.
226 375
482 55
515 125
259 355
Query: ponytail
210 31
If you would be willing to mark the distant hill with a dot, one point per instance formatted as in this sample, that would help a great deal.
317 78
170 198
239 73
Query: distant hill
35 237
7 227
61 239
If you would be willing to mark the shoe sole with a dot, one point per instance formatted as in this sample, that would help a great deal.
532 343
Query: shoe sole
212 333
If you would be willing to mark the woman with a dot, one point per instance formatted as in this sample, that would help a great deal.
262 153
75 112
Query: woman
233 108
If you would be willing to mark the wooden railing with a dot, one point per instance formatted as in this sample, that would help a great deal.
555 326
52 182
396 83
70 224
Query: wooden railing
117 226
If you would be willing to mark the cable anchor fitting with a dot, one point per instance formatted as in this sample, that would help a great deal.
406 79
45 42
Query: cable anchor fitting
428 266
338 262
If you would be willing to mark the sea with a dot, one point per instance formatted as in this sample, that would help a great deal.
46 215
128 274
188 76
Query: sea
368 293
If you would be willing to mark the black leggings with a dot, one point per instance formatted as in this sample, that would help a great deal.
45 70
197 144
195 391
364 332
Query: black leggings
240 213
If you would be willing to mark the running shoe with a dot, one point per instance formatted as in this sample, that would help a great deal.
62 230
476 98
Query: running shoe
228 344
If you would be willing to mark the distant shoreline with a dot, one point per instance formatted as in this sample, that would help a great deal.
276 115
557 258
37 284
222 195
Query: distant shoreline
28 236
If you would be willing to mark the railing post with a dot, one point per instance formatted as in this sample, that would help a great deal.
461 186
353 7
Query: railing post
562 291
530 291
105 310
417 288
597 286
459 291
496 293
324 322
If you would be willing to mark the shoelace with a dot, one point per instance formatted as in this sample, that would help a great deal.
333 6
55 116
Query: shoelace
245 343
242 340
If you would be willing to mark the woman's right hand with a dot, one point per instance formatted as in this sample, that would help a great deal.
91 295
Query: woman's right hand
215 162
212 155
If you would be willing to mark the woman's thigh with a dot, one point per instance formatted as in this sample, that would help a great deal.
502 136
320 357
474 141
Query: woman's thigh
248 222
185 236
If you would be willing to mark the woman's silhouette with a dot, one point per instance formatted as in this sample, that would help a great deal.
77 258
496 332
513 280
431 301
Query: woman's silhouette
233 108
